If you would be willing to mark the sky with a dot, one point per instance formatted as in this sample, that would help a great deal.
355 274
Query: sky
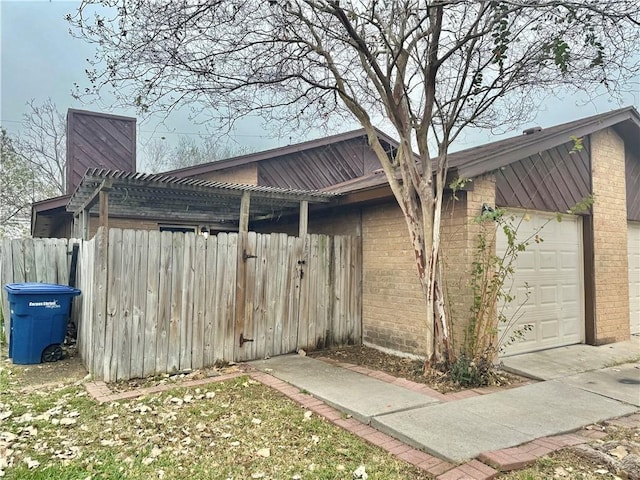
39 59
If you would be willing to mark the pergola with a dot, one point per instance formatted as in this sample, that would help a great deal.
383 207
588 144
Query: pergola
150 196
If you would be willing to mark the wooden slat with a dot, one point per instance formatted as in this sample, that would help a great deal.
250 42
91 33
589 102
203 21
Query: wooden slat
246 351
289 273
186 311
88 284
340 291
177 274
328 293
347 326
356 289
115 281
221 282
78 304
308 286
199 302
230 296
138 324
41 271
153 272
278 276
210 317
124 325
271 294
61 260
17 248
261 300
29 259
98 340
301 292
164 302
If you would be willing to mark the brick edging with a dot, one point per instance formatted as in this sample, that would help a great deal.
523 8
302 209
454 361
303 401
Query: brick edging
424 461
524 455
514 458
102 393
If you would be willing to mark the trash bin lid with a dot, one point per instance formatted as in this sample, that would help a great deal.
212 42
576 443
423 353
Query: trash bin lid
40 289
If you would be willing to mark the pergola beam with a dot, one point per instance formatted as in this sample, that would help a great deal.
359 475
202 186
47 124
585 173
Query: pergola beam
105 185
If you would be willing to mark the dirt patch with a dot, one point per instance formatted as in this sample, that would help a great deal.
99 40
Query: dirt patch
175 378
68 370
410 369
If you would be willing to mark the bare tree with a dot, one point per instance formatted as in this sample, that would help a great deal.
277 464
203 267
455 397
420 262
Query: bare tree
155 155
17 189
161 156
42 142
428 68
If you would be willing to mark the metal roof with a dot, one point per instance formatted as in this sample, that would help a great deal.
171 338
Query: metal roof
142 195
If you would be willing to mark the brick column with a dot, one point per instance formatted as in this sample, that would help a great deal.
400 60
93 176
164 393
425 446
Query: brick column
459 243
610 266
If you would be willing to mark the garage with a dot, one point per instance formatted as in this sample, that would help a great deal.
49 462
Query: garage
633 249
547 283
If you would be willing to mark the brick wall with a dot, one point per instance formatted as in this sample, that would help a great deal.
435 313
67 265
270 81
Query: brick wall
610 237
393 307
341 222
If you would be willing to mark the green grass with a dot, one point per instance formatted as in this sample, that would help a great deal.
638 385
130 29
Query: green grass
183 434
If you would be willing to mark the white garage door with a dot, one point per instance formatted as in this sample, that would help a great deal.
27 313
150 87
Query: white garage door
633 247
551 272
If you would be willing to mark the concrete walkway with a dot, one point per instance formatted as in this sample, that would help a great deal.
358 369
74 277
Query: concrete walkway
565 361
462 429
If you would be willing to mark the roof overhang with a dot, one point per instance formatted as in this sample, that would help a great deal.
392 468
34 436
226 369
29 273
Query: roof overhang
47 215
625 121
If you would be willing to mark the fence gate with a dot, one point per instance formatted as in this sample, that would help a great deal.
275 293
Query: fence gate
296 293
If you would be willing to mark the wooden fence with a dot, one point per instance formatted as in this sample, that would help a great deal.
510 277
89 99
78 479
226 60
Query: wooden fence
45 260
156 302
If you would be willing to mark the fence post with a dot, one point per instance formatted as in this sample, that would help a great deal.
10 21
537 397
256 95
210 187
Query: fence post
243 229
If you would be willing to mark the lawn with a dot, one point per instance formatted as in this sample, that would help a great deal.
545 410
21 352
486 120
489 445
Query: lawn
238 429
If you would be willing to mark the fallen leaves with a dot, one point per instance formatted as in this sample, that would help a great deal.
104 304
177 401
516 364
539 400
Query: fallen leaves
264 452
619 451
240 427
31 463
360 473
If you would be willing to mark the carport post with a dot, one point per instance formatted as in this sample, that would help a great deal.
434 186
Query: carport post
85 224
303 224
104 208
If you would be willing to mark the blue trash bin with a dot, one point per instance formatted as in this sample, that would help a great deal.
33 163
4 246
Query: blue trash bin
39 316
